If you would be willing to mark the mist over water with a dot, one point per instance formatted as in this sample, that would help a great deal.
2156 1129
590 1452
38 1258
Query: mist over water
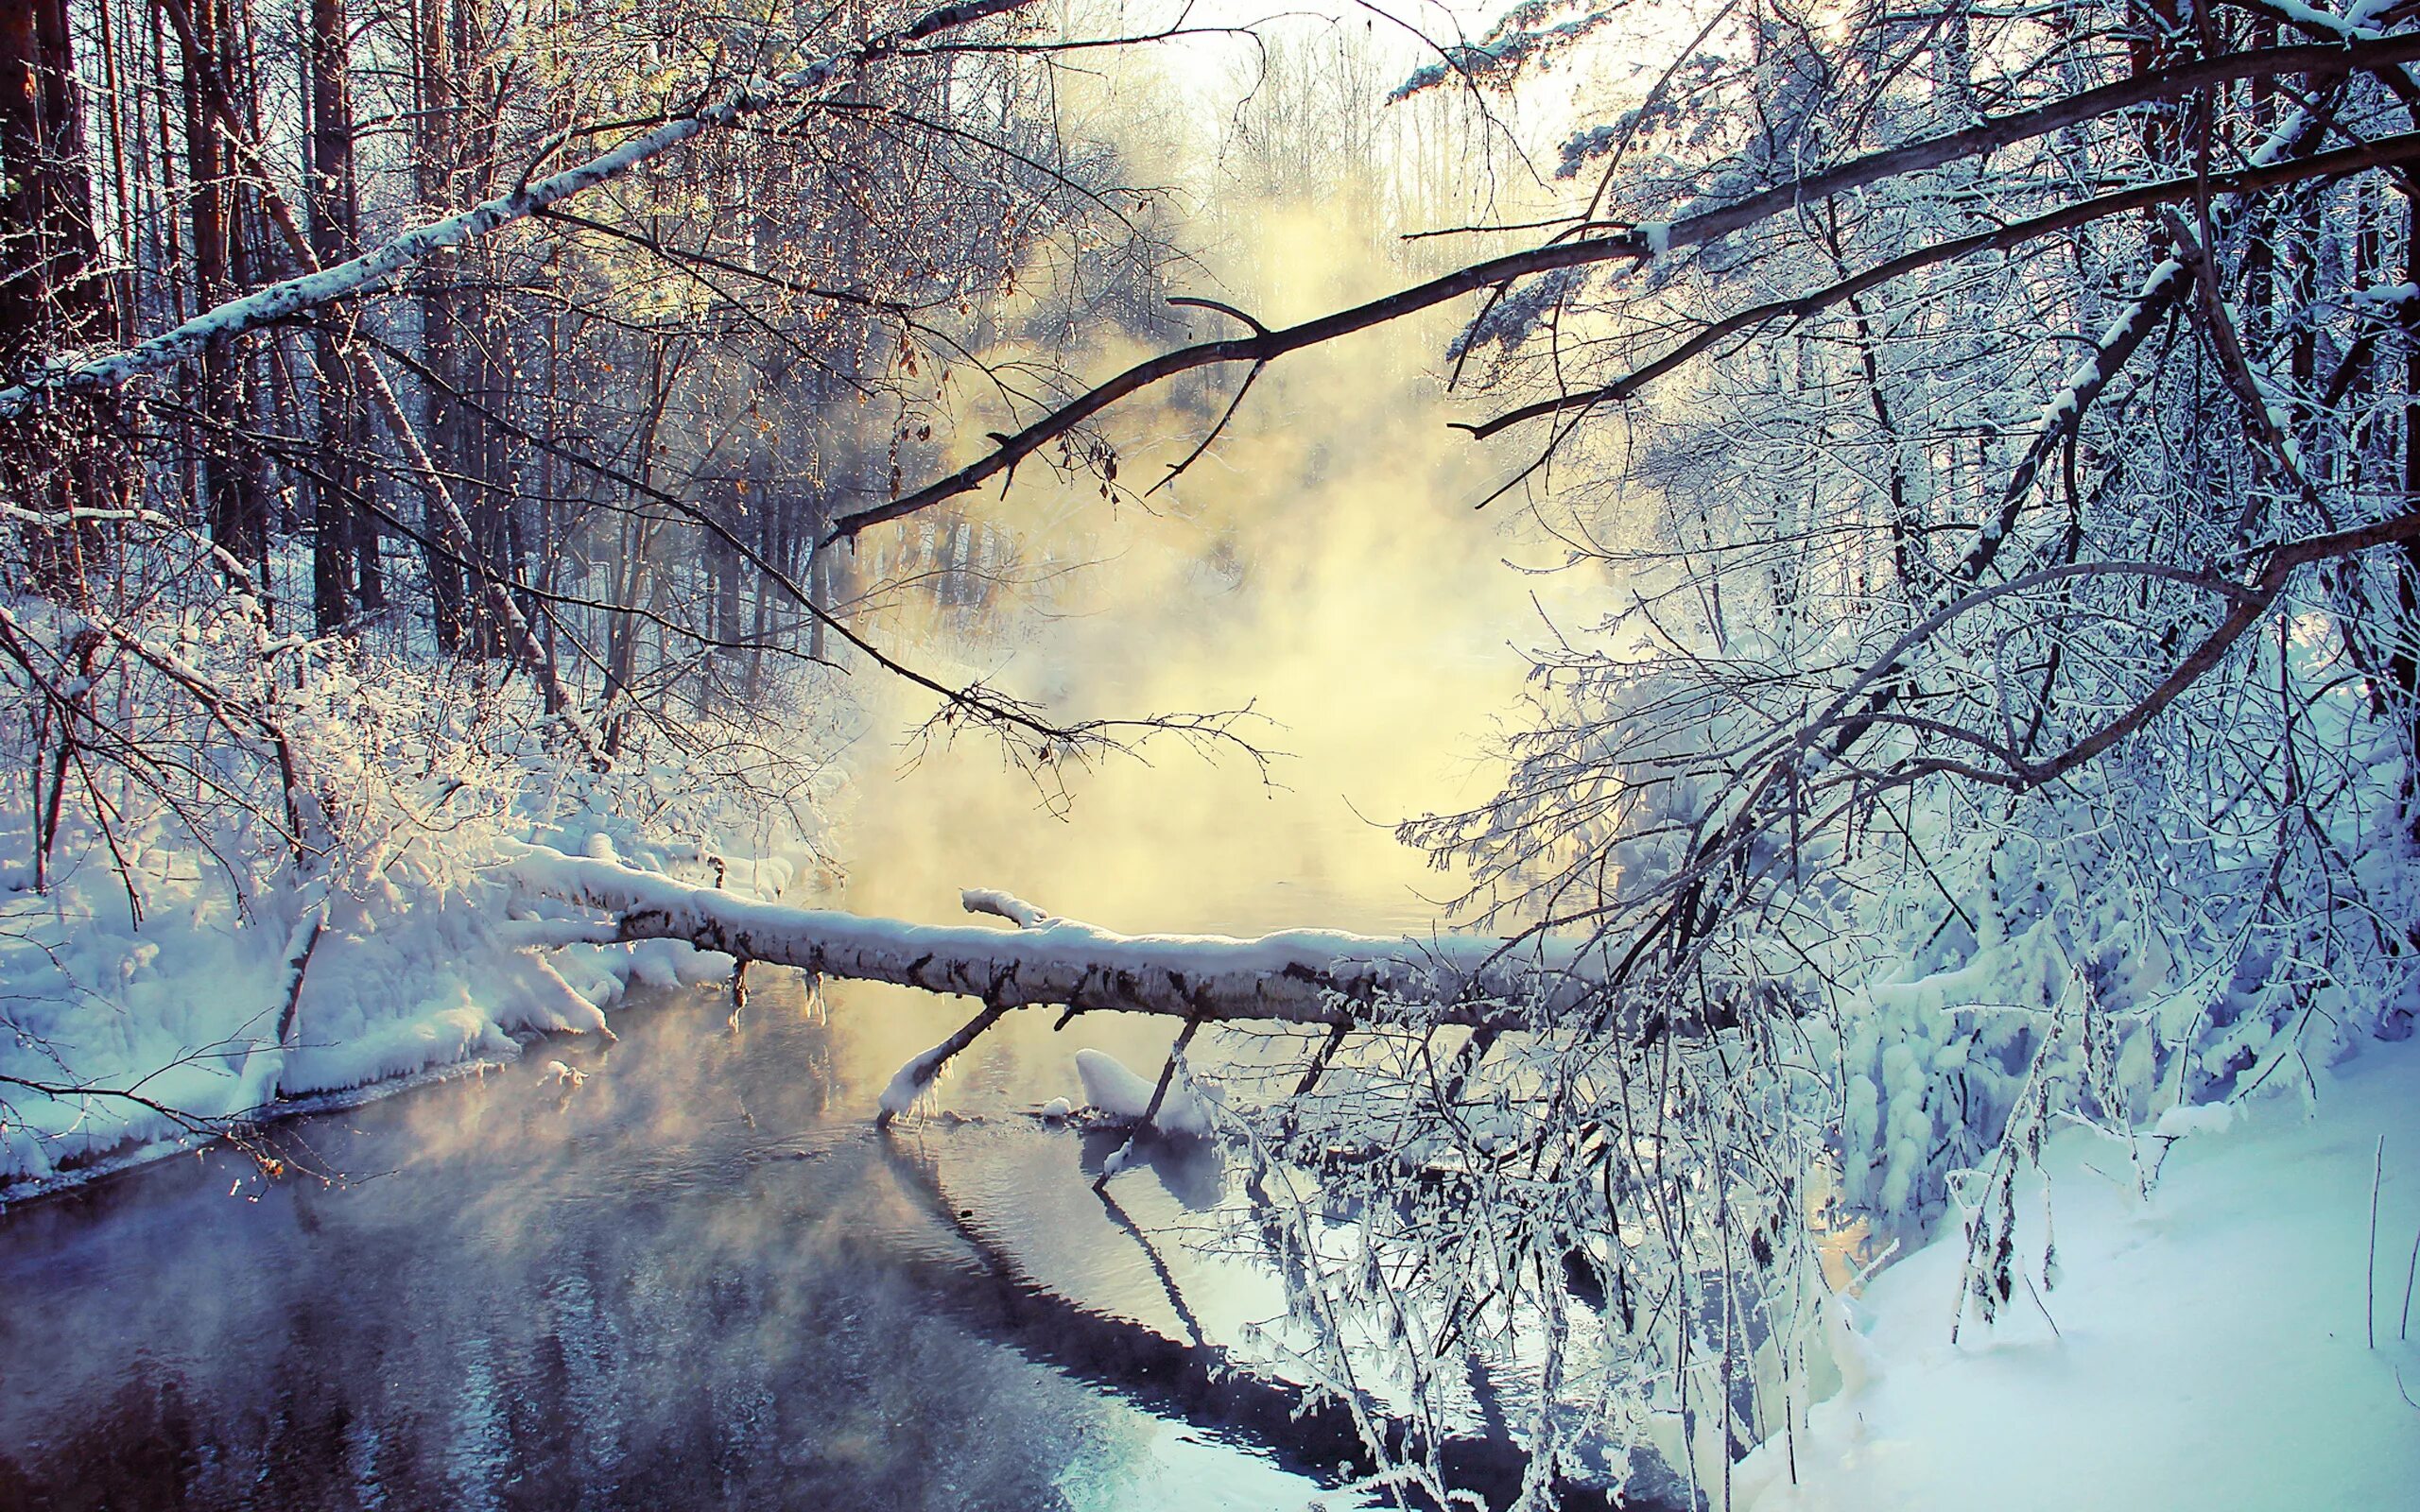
1323 565
695 1280
1322 562
698 1277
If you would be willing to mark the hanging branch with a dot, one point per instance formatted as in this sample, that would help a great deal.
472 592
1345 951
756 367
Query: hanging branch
1640 242
283 301
2382 152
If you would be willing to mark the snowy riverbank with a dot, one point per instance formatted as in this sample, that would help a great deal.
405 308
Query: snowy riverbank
2199 1344
129 1040
154 991
2209 1348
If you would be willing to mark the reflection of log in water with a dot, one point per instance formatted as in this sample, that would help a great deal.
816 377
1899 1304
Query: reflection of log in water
1199 1384
1159 1266
1339 981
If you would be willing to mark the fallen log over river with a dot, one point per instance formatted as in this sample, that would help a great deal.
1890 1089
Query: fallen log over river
1306 976
1310 976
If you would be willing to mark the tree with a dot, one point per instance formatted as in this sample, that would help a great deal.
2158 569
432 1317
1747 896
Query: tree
53 295
2010 716
236 511
343 563
594 610
2007 720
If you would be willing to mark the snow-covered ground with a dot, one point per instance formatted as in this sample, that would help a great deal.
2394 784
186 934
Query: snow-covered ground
190 964
182 1011
2209 1350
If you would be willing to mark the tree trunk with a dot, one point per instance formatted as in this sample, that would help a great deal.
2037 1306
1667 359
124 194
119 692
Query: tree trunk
236 512
62 455
1298 976
336 492
432 164
53 295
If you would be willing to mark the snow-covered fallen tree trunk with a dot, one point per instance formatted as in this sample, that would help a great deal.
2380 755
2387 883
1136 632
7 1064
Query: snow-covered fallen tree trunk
1296 977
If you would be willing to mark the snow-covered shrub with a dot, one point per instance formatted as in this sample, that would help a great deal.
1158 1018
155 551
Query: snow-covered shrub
244 866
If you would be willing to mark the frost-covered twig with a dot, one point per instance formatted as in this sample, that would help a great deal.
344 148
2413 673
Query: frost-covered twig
2410 1274
2370 1268
280 302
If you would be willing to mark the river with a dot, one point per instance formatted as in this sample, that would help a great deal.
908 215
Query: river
697 1277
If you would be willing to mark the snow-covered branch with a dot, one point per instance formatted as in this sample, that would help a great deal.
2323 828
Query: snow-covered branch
1005 905
1641 243
1294 977
283 301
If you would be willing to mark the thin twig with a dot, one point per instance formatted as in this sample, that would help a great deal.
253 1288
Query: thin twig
2369 1314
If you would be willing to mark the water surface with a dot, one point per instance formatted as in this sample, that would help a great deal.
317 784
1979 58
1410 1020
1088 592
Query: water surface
697 1278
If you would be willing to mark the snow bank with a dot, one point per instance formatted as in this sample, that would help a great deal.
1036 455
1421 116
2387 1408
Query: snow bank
2210 1348
183 1010
149 989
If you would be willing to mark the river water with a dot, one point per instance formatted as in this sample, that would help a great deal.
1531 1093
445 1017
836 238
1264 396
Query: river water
695 1280
698 1277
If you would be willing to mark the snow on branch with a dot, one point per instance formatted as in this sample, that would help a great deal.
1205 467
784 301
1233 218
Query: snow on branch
2067 407
1640 242
294 296
1005 905
1295 977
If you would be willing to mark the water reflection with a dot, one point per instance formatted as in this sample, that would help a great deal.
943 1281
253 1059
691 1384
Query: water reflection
681 1283
697 1278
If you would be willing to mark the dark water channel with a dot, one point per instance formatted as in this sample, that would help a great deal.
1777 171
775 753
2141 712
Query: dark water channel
697 1278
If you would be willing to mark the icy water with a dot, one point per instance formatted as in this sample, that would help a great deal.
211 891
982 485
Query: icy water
699 1278
696 1278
